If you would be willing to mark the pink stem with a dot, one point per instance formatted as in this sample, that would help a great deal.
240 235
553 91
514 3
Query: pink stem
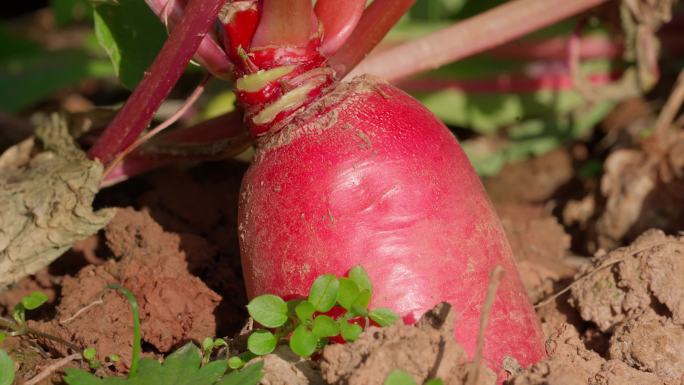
376 21
507 84
189 102
481 32
285 23
590 47
209 54
217 138
155 86
338 22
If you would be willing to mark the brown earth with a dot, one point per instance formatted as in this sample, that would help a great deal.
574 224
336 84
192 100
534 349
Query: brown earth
175 248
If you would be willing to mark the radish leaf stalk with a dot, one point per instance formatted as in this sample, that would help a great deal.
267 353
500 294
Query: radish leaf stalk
476 34
164 72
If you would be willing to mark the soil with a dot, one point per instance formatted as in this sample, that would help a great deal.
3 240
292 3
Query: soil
173 244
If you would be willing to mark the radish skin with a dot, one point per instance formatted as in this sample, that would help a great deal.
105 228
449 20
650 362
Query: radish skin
367 176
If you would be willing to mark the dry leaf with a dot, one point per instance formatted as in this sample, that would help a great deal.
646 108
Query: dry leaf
46 197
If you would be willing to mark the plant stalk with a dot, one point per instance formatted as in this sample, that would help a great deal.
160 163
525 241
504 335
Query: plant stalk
375 22
157 83
487 30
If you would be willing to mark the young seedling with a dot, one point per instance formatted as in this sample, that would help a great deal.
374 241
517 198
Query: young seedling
30 302
335 310
90 355
400 377
187 365
209 345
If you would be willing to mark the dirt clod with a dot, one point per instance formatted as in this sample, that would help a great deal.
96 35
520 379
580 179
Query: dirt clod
633 280
175 306
570 363
283 367
650 343
643 189
427 350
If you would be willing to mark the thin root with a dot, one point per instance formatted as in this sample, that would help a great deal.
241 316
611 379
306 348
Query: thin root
55 366
80 311
189 102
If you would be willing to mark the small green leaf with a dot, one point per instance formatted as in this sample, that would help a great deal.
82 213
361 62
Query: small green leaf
268 310
359 275
2 337
349 331
324 326
360 305
235 362
89 354
383 316
348 293
131 35
303 342
323 294
114 358
34 300
251 375
434 381
219 342
399 377
261 342
19 313
6 369
207 344
305 311
181 367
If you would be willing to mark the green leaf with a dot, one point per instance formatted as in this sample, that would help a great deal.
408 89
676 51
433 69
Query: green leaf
89 354
6 369
359 275
235 362
268 310
34 300
324 326
30 77
251 375
182 367
2 337
303 342
131 35
219 342
348 293
323 294
207 344
434 381
399 377
360 305
383 316
261 342
305 311
349 331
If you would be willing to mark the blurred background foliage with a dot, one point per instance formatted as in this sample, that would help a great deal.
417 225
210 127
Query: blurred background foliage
511 103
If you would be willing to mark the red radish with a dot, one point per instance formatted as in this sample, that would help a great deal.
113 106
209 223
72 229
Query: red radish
348 173
360 173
